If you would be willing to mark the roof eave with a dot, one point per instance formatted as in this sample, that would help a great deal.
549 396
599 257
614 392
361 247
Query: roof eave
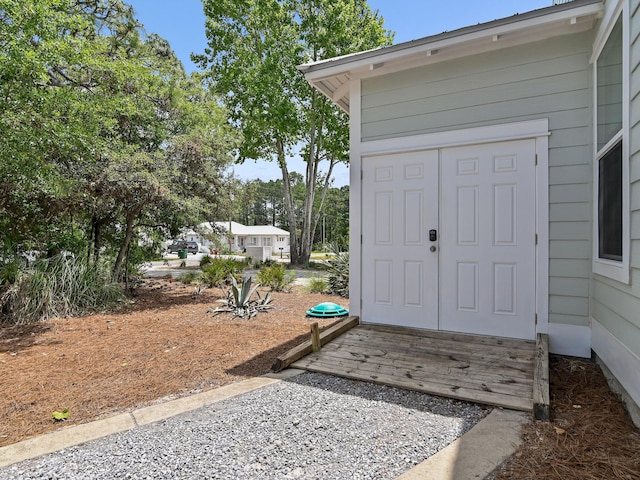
330 76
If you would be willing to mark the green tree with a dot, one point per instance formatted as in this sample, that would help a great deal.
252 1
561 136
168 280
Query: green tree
334 225
46 124
263 203
105 133
253 50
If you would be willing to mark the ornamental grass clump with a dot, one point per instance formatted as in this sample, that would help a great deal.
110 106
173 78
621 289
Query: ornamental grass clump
276 277
218 271
188 278
58 287
317 285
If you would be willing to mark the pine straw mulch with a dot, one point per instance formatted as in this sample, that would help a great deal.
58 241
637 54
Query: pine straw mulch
164 345
590 434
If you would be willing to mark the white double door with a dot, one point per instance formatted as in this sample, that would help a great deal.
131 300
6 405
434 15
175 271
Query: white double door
449 239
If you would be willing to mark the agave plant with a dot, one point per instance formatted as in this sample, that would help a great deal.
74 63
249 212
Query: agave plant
239 300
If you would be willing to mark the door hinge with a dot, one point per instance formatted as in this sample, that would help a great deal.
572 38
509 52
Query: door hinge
361 240
536 317
536 239
536 160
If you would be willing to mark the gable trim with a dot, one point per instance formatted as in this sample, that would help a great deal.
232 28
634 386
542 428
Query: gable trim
328 76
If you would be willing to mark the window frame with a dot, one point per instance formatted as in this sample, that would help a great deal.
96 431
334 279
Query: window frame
609 156
614 269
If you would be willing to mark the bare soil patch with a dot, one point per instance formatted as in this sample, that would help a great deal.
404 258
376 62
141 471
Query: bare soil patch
164 345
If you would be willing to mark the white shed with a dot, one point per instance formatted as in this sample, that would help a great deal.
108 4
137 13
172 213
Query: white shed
492 175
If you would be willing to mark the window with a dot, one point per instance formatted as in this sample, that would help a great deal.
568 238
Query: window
611 170
609 93
610 205
266 241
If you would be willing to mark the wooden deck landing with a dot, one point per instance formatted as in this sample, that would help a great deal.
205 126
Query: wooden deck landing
490 370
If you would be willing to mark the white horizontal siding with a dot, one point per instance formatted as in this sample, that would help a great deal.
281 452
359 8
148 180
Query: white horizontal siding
548 79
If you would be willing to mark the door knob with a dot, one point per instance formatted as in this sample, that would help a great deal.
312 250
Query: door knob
433 248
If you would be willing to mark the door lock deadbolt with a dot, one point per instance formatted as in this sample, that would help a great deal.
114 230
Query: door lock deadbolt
433 235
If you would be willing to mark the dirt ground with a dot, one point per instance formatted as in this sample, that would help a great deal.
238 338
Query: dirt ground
166 344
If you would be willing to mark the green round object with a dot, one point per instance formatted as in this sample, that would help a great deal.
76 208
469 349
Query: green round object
327 309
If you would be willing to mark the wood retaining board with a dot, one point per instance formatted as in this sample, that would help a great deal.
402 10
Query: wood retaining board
490 370
541 398
306 348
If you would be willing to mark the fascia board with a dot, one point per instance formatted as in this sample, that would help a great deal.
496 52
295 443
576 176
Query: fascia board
363 61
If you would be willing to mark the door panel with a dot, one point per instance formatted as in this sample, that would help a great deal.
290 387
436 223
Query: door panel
400 272
487 245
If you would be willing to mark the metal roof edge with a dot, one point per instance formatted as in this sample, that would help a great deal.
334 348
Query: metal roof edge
395 50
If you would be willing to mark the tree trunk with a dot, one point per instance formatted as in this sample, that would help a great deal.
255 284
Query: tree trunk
97 225
308 226
288 199
323 195
301 245
117 267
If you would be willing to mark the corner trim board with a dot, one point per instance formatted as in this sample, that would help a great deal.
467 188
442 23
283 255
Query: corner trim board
622 362
572 340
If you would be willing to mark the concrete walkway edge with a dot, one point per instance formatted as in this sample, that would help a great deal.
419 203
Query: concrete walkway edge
472 456
477 453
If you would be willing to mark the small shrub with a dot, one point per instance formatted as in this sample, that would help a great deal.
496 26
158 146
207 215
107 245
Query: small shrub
10 269
276 277
205 260
317 285
311 265
338 278
189 277
218 271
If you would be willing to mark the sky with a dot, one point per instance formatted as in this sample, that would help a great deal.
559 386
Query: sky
181 22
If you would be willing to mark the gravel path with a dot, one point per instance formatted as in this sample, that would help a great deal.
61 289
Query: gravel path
311 426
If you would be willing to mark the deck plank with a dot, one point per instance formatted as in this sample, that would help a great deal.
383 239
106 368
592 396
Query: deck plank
451 390
459 352
523 353
490 370
446 370
472 380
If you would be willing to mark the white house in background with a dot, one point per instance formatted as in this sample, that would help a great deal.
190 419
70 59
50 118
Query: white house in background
495 181
237 236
